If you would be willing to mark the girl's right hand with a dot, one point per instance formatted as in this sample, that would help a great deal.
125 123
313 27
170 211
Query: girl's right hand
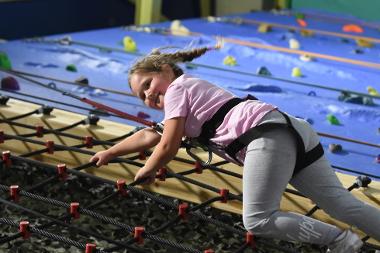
102 158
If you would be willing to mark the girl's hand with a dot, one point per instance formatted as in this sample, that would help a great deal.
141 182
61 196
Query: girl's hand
148 174
102 158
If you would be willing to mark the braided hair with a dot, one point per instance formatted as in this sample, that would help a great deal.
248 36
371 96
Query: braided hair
154 61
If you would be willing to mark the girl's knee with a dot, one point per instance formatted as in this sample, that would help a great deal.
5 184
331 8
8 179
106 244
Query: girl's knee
257 223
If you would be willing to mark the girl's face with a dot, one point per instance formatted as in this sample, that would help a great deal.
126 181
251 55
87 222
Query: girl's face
151 87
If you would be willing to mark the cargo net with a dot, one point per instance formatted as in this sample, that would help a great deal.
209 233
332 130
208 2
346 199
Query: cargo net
38 204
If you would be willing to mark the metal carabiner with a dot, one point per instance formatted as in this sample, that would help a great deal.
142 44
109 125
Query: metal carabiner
190 143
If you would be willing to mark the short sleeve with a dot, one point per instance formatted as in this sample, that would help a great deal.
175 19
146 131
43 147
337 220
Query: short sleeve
176 102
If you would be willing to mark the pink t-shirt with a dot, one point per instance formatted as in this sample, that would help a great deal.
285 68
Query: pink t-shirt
198 100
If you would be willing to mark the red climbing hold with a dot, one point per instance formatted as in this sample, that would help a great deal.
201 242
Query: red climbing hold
351 28
9 83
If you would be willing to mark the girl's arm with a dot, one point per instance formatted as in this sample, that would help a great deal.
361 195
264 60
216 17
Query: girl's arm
165 150
139 141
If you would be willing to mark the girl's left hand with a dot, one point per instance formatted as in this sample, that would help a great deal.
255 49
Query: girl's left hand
148 174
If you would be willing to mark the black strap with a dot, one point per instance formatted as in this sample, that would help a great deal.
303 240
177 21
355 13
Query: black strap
303 158
210 126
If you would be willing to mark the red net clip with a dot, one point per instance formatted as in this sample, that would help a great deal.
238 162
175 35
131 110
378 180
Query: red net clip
208 251
74 210
138 235
50 146
62 171
39 131
161 174
224 194
182 210
250 239
14 192
198 167
2 137
90 247
7 158
24 229
142 155
120 185
88 141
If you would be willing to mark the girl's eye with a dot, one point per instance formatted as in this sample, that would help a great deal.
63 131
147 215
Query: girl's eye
147 85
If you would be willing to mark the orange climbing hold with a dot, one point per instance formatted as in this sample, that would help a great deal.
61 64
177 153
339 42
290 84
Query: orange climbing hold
301 22
351 28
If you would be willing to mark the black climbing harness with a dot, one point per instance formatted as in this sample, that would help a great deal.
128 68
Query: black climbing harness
303 159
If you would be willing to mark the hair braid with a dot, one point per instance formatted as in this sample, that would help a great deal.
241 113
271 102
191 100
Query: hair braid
153 62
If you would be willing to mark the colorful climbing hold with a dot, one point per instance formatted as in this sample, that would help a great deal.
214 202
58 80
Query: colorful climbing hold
372 91
306 58
294 44
300 15
129 44
296 72
377 159
229 61
9 83
358 51
332 119
5 63
335 148
355 99
97 92
352 28
82 81
176 28
301 22
143 115
264 28
263 71
364 43
71 68
306 33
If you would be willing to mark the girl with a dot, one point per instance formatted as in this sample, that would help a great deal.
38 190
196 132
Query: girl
275 148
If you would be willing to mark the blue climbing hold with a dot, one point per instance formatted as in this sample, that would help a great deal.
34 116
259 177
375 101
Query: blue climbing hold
143 115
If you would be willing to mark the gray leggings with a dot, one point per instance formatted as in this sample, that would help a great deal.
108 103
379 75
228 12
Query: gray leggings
268 168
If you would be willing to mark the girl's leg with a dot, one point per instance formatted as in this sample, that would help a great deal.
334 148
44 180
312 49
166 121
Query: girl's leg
268 167
320 183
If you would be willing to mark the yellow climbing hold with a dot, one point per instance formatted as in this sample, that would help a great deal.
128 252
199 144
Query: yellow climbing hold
129 44
294 44
229 61
296 72
264 28
306 33
372 91
176 28
364 43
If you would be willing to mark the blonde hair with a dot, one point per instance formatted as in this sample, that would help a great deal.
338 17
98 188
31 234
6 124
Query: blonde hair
154 61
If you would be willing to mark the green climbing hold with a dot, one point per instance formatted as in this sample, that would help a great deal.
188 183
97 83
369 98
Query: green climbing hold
5 63
300 15
333 120
71 67
263 71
